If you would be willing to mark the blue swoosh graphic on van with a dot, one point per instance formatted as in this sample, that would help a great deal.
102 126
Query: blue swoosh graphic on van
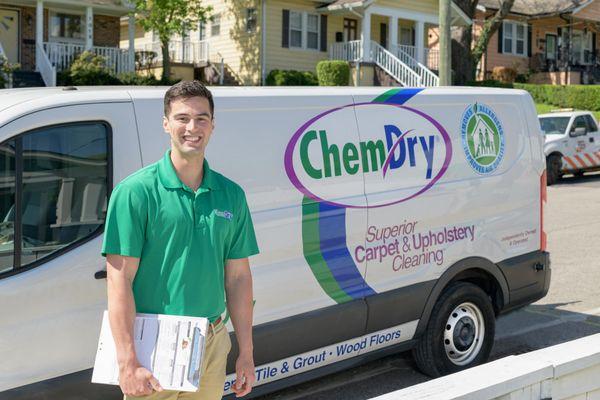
332 229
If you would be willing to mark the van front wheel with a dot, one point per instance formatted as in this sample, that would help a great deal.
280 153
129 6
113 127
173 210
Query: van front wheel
460 332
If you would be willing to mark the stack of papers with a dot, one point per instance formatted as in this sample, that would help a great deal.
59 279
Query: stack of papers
171 347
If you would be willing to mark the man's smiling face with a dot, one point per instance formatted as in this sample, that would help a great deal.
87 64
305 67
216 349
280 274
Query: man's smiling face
190 124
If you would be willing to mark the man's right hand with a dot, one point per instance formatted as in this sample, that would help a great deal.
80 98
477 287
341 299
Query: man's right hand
136 380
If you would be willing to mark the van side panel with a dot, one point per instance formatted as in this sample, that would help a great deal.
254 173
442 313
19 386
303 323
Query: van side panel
460 183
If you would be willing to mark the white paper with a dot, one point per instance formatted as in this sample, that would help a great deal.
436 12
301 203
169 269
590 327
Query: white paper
171 347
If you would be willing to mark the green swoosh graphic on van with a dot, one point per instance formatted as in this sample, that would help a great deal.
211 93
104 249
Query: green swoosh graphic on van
311 242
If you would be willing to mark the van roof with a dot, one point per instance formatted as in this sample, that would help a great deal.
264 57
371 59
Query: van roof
41 97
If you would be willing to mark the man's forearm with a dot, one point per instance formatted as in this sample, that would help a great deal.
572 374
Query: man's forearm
239 304
121 314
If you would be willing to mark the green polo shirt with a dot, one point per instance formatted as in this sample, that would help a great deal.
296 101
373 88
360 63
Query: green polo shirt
182 238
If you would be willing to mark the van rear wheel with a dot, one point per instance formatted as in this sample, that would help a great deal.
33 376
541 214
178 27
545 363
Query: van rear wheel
460 332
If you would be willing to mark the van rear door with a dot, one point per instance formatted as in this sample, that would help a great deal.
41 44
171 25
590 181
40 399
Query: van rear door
448 176
57 167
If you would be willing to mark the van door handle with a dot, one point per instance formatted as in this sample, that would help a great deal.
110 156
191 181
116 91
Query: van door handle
591 140
100 274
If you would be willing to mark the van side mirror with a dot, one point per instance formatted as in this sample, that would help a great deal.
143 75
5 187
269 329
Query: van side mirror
579 131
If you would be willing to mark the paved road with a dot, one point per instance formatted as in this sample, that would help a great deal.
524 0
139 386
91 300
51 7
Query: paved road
570 310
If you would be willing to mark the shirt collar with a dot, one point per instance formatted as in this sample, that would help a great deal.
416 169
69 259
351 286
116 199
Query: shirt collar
169 179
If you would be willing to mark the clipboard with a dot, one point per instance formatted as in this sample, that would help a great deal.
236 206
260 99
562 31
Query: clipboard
171 347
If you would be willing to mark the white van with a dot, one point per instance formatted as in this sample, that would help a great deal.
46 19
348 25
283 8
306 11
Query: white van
388 220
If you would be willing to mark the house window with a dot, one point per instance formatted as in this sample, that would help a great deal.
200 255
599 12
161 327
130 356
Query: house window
215 26
295 29
582 47
514 38
66 26
350 31
251 18
406 36
312 32
201 30
304 30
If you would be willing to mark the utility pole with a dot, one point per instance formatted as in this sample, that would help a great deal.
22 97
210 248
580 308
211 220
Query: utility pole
445 42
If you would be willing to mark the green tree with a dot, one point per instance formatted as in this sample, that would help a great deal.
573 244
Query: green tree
169 17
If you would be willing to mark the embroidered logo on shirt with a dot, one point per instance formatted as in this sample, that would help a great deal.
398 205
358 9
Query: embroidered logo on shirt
228 215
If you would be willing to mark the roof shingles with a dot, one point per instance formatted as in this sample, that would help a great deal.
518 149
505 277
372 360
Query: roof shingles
537 7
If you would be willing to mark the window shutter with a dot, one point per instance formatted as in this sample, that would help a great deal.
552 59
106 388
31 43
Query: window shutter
323 32
285 29
529 40
594 46
500 37
414 37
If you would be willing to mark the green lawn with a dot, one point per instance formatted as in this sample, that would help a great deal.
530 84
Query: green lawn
546 108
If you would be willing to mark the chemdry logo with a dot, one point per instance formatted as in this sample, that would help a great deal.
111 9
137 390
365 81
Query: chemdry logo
369 156
223 214
399 148
482 138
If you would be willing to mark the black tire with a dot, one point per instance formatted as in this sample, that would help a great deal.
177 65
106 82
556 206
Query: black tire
431 354
553 166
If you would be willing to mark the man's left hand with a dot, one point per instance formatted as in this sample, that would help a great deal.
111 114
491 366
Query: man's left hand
244 370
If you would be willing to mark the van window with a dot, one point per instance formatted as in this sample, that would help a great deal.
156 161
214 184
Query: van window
62 176
7 201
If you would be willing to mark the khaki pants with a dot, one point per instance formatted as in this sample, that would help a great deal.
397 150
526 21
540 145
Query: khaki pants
212 379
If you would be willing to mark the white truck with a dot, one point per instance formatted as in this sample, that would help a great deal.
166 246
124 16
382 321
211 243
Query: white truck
572 143
387 219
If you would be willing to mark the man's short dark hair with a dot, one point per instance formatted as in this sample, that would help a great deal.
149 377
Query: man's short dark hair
186 90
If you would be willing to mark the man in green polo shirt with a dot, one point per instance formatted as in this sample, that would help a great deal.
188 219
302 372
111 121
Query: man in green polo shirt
177 240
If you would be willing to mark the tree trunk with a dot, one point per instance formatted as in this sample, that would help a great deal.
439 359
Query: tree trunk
489 28
462 38
462 62
166 71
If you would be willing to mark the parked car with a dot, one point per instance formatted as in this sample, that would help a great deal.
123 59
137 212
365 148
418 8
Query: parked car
388 220
572 143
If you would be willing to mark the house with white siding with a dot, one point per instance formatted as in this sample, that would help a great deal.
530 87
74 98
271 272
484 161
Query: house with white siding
386 41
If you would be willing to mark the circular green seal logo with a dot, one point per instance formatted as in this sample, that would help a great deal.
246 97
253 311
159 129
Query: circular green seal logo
482 138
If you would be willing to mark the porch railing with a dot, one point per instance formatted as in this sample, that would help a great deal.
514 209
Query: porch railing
62 55
428 78
432 59
394 66
347 51
181 51
45 66
117 59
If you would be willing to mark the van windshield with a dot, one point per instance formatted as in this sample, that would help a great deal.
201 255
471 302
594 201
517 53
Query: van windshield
554 125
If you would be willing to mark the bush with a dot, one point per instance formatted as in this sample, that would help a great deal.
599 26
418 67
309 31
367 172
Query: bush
490 83
90 69
504 74
6 69
581 97
133 79
279 77
333 73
